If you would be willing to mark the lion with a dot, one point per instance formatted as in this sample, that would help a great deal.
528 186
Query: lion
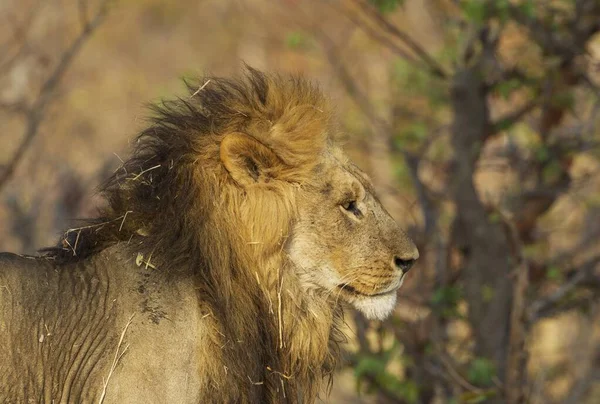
218 269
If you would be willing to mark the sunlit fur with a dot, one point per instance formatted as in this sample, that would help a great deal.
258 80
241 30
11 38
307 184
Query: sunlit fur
176 202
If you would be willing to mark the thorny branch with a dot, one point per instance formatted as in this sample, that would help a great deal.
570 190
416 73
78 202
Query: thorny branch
35 113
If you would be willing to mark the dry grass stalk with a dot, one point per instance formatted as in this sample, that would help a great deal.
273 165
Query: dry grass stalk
116 359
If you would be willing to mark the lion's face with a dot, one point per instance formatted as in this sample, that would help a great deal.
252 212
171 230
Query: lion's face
346 243
341 240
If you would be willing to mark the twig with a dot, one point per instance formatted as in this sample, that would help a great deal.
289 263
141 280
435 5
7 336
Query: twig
435 68
124 217
37 111
516 364
538 308
18 107
457 377
349 84
516 368
83 12
513 117
382 39
116 359
144 172
200 88
279 314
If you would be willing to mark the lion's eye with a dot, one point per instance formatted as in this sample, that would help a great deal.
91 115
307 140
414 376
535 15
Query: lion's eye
352 207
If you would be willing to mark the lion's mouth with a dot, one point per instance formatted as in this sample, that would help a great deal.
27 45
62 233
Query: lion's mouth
352 290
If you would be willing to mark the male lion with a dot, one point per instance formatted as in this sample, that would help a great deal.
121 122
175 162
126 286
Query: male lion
216 273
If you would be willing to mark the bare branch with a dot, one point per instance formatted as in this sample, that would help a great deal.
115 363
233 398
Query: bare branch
511 118
19 107
547 305
350 85
516 367
382 39
432 64
37 111
82 6
582 27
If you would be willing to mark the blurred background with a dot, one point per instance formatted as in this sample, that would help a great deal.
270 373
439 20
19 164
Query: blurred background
477 119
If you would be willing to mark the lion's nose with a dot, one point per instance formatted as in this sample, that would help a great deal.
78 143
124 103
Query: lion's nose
403 265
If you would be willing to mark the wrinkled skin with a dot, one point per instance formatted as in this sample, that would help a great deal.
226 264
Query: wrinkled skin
347 243
60 331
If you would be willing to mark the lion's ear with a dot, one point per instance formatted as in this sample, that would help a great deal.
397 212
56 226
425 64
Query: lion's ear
248 160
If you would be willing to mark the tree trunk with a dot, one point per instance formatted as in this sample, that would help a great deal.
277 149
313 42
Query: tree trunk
484 243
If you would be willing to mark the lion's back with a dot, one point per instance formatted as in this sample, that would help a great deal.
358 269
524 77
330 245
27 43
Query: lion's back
46 312
63 325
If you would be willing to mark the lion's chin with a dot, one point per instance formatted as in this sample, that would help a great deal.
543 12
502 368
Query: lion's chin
377 307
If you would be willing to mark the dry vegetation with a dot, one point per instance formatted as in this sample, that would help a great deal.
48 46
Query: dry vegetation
75 75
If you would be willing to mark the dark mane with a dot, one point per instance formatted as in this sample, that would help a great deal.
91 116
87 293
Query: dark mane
151 196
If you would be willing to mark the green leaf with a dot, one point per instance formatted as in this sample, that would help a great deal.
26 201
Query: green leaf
487 293
506 88
296 40
445 301
554 273
412 136
406 389
528 8
375 367
565 99
472 397
418 83
475 10
495 217
504 124
481 372
369 365
386 6
552 171
542 154
502 10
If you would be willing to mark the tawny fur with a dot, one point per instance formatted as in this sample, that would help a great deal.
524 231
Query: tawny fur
212 197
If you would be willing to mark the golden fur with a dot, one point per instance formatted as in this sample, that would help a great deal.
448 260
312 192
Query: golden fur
240 190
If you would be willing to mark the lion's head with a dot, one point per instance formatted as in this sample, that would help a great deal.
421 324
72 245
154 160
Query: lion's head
340 238
251 167
299 194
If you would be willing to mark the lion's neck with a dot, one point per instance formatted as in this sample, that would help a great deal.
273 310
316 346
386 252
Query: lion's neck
307 333
290 333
